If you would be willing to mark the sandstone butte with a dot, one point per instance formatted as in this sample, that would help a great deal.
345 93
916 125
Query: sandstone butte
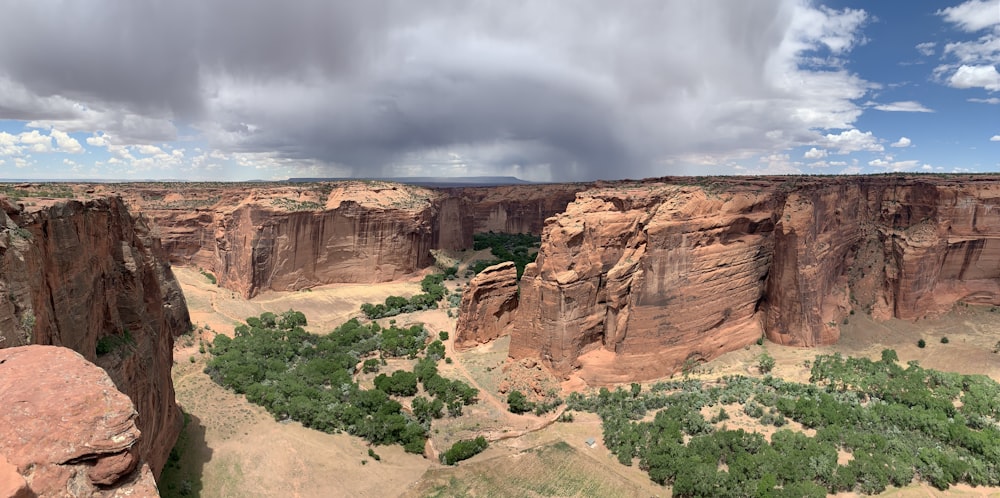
65 429
636 279
75 272
487 306
287 237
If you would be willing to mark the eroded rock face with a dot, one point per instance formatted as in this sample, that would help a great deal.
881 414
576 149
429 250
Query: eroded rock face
65 429
636 280
487 307
289 237
83 274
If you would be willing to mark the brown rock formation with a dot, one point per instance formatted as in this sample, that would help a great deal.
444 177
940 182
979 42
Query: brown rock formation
288 237
79 274
66 429
487 307
12 484
636 280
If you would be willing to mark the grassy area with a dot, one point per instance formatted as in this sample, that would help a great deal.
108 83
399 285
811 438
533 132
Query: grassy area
555 469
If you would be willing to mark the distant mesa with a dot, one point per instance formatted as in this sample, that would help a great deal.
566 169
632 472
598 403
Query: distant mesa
431 181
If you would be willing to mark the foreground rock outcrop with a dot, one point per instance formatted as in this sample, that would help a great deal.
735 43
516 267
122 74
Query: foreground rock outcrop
88 276
637 280
487 306
65 429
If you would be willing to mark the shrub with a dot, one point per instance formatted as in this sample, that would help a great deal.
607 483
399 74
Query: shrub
443 335
112 343
518 403
464 449
765 362
921 343
944 340
370 366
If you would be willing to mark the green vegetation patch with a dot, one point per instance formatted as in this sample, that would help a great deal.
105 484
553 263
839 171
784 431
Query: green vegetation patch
898 424
517 247
309 378
464 450
433 291
111 343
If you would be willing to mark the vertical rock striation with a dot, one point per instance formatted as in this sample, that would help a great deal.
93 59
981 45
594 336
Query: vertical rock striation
90 277
640 280
277 237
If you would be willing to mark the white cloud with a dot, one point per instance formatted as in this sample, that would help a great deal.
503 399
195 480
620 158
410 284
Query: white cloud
851 170
976 77
815 153
990 100
902 142
35 141
9 144
926 48
100 140
894 166
904 106
995 138
148 150
973 15
853 140
66 143
777 164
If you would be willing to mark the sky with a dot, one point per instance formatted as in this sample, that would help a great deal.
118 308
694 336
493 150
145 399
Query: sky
562 90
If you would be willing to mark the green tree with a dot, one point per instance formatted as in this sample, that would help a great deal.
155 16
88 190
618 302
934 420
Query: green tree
518 403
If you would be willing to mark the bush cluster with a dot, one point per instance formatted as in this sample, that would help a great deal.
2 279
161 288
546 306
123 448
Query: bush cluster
307 377
433 291
516 247
463 450
898 423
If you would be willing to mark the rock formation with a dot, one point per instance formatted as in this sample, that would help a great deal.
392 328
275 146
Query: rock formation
65 429
637 280
257 237
90 277
487 307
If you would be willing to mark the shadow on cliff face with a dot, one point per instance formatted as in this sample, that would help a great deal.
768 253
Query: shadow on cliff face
182 474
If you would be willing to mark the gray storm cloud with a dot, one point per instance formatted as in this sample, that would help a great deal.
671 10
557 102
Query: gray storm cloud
560 90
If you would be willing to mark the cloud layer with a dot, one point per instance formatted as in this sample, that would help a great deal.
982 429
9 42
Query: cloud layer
543 90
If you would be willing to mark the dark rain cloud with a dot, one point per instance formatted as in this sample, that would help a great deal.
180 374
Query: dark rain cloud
582 89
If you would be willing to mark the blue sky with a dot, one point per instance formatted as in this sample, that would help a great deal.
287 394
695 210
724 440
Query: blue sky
248 89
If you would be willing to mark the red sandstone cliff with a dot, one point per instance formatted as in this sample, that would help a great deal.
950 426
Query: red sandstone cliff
65 429
257 237
637 279
76 274
487 306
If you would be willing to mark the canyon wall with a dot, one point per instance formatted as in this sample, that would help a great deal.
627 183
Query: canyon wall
88 276
65 429
257 237
638 280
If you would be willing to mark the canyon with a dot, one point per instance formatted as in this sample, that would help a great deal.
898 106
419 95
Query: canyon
633 281
258 237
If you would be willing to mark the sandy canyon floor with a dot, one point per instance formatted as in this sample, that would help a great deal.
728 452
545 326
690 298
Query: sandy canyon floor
230 447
